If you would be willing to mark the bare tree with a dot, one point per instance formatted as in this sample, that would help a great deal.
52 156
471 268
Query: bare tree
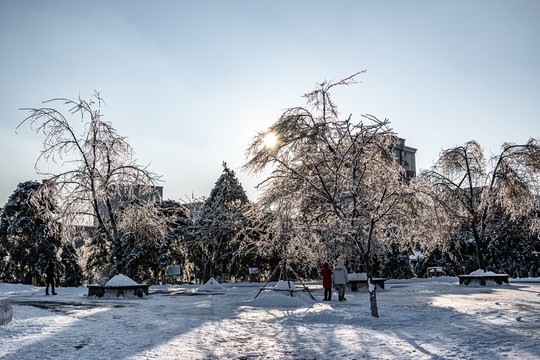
473 193
279 232
96 165
336 171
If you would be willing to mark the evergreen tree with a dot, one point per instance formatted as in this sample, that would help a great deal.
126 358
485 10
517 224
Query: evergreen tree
27 237
218 221
513 250
99 258
72 271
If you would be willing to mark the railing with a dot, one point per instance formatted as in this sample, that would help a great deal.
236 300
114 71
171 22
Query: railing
6 312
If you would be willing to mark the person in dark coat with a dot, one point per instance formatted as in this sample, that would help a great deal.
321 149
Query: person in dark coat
50 278
327 281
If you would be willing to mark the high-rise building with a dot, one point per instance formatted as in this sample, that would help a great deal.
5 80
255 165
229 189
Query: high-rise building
405 155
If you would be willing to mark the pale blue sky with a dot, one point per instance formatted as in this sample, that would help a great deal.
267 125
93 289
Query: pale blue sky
191 82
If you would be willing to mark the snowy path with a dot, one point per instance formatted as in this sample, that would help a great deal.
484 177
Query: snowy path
420 319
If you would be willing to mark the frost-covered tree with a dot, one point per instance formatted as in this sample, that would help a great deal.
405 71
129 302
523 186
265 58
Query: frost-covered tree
28 236
142 230
277 236
337 172
215 225
174 249
472 194
96 166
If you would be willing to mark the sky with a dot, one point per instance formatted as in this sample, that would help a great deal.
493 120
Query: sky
190 83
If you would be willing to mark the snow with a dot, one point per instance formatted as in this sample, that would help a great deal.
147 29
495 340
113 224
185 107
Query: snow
420 318
357 276
284 285
481 272
120 280
277 299
211 285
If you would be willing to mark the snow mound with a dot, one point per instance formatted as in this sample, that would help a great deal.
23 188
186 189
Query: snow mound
481 272
284 285
281 299
120 280
211 285
357 276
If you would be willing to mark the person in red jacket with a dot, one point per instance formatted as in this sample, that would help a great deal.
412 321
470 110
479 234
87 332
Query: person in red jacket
327 281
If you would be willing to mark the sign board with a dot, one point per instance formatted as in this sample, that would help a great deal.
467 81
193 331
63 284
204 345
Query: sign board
174 271
253 271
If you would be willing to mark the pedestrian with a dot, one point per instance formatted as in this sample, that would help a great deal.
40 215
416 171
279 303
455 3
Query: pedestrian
327 281
340 278
50 278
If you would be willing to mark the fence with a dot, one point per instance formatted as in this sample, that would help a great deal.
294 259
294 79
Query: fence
6 312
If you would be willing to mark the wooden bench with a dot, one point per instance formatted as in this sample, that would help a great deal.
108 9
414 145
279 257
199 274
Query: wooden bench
99 291
377 281
361 278
498 278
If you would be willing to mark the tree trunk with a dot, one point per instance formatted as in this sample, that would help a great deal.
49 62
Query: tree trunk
479 253
373 299
372 288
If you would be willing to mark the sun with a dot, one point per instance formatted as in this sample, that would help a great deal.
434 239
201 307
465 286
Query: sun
270 140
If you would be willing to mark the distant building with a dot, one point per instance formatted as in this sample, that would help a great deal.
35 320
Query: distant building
406 156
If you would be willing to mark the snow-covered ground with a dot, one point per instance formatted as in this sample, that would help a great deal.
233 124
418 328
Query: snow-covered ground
420 319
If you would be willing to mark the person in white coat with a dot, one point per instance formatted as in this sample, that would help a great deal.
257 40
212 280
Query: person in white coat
340 279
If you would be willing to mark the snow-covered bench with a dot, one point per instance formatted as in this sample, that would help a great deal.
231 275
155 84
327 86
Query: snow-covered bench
119 285
361 278
481 279
100 291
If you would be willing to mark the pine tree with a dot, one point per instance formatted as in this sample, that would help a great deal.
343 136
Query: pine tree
27 237
72 271
220 218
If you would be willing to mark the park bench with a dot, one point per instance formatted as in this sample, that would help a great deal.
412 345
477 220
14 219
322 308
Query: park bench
100 291
481 279
361 278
